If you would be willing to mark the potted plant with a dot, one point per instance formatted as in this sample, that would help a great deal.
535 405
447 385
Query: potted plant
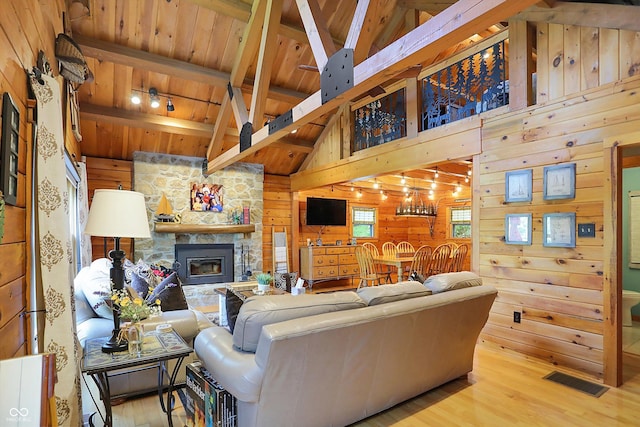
264 281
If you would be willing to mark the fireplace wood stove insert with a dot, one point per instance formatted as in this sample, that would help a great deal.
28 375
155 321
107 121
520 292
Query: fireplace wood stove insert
201 263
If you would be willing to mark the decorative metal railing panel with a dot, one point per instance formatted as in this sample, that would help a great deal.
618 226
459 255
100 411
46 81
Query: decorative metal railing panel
380 121
471 86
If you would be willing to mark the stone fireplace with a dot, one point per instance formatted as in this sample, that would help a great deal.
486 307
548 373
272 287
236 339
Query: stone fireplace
158 174
204 263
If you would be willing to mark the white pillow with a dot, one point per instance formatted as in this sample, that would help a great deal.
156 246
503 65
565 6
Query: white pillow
97 287
449 281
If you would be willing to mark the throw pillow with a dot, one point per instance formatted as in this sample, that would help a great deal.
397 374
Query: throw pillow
450 281
285 281
232 304
170 294
382 294
140 276
96 287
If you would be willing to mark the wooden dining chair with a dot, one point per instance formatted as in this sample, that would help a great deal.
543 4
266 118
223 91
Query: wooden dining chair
382 269
405 249
439 260
389 249
457 258
420 263
367 268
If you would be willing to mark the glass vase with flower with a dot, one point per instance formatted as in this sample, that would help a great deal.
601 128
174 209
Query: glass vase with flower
133 309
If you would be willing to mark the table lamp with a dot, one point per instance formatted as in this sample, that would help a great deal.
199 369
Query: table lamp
117 213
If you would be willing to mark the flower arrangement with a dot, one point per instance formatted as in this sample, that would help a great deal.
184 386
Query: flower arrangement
133 307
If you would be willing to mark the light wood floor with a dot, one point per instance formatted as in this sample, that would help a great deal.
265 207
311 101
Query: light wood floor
504 389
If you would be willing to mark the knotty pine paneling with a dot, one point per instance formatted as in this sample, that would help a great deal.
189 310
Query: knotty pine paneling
557 290
277 216
571 59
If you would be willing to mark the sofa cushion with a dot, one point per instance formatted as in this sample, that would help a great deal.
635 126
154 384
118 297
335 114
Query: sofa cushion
96 287
449 281
83 308
170 294
374 295
264 310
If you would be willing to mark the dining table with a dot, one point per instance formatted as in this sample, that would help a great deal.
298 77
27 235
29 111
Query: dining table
399 260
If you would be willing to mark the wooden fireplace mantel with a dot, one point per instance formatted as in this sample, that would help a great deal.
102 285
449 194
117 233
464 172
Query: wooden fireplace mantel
172 227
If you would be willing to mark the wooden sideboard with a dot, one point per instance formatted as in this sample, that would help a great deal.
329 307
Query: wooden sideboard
322 263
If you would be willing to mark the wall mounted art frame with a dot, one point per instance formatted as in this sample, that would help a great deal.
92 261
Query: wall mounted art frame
206 197
517 229
9 150
559 230
559 182
518 186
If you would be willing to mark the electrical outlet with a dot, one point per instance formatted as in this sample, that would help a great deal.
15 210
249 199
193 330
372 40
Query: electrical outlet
516 316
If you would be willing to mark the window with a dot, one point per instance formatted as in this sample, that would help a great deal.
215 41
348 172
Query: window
74 224
363 222
460 223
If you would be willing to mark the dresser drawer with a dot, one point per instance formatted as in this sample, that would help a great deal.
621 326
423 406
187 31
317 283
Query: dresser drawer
325 260
325 272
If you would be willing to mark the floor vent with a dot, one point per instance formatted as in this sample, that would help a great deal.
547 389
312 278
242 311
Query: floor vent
590 388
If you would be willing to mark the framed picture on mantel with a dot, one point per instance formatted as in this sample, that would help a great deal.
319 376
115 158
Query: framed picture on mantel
206 197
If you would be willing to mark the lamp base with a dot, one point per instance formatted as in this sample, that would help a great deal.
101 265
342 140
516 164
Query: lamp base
114 344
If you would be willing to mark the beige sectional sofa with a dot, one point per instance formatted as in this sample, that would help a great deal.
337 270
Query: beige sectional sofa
295 361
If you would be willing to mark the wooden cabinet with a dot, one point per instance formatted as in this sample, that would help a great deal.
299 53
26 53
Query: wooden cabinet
319 263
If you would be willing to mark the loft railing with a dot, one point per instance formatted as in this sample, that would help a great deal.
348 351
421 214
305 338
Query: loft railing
380 121
470 86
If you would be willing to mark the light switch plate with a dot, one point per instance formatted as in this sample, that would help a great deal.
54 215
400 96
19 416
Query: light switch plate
587 230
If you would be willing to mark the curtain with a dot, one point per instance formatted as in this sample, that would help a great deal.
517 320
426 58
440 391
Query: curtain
84 240
53 252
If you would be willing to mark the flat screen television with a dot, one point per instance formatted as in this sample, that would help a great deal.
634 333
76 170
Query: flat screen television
326 211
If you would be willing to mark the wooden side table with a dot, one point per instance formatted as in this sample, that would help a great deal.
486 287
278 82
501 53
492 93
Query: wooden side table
158 347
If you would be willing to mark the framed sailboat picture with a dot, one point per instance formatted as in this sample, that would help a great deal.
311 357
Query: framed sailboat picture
518 186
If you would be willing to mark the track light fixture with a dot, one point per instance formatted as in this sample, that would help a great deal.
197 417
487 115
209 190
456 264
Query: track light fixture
436 175
154 98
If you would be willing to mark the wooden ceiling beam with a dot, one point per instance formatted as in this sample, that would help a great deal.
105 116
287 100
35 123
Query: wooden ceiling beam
110 52
118 116
456 23
249 43
317 30
243 58
266 56
586 15
432 7
242 11
298 145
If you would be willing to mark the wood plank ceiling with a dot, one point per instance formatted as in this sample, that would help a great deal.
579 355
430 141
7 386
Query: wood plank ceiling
190 50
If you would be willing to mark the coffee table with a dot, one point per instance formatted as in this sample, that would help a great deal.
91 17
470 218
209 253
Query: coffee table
158 347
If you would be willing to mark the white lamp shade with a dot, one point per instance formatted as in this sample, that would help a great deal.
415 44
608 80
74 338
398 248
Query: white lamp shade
118 213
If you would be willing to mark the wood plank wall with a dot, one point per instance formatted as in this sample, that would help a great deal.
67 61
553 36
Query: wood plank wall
559 291
571 59
276 216
108 174
27 26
